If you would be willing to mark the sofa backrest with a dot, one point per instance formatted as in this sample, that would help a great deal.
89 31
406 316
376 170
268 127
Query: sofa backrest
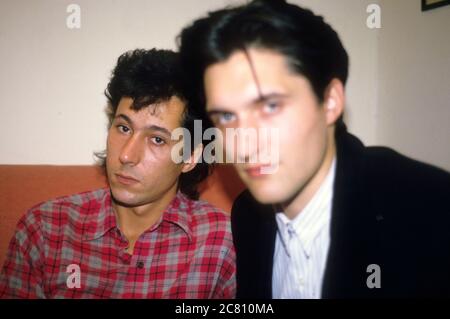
23 186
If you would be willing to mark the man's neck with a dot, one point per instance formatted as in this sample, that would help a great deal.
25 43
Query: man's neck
299 202
133 221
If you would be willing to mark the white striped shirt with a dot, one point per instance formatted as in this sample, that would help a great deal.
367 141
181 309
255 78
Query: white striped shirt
301 246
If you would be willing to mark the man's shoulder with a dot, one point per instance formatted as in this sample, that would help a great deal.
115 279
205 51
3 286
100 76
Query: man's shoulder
204 214
385 169
208 225
406 189
392 168
83 202
66 209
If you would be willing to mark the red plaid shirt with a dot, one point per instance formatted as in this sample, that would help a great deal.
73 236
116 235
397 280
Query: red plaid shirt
188 254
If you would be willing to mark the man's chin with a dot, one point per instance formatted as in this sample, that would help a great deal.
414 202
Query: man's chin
266 196
124 198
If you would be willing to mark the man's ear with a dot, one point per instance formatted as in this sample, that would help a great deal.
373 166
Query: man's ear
193 159
334 101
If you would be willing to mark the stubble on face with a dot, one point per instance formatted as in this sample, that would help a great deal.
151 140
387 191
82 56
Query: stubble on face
139 166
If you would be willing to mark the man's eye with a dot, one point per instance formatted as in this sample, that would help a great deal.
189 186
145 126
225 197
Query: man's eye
123 128
226 118
271 107
158 140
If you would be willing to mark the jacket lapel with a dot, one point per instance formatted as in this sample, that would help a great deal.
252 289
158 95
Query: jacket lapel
353 230
267 235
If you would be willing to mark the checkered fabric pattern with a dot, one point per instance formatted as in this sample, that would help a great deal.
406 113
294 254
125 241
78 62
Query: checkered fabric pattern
188 254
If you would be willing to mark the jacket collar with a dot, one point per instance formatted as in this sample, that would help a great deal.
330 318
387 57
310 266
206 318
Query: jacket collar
352 228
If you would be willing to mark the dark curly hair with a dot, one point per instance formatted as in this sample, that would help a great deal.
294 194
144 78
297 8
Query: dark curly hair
150 77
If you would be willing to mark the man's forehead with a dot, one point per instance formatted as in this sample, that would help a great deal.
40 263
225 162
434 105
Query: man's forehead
248 90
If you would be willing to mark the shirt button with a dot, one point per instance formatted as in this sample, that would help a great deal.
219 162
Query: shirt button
140 264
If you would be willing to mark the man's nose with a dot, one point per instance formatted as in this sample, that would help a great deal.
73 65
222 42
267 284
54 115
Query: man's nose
247 141
131 151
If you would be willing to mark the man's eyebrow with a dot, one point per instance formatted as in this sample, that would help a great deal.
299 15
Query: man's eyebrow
217 111
159 129
152 127
124 117
259 99
268 96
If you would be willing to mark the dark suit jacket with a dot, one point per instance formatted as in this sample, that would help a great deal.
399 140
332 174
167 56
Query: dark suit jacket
387 210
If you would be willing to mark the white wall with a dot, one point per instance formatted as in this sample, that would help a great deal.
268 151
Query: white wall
414 81
348 18
52 78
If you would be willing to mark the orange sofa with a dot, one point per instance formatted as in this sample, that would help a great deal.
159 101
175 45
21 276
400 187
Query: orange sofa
23 186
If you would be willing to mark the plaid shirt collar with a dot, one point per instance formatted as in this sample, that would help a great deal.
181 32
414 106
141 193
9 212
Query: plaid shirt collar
104 218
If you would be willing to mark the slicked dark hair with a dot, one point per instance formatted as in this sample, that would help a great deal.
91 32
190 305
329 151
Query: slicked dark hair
311 47
150 77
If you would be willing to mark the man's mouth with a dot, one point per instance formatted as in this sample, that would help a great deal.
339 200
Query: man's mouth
126 179
257 170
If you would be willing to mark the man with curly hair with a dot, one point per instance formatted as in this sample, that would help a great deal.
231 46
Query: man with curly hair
146 235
